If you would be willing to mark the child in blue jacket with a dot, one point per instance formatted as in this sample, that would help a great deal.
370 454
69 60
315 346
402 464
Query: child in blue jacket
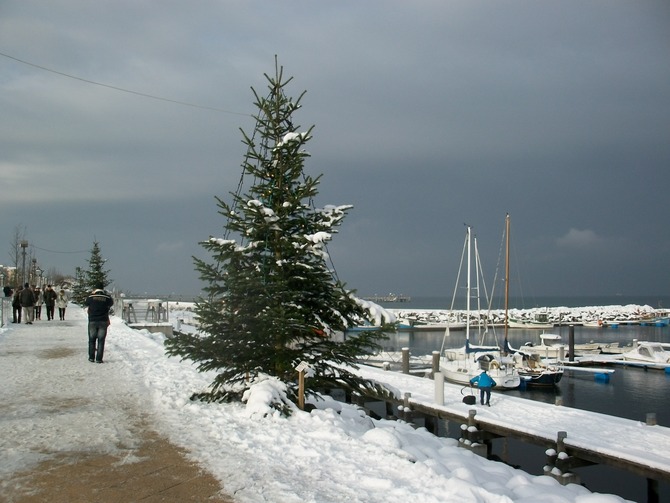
484 382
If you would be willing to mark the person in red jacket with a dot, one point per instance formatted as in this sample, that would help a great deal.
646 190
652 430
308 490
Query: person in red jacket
98 304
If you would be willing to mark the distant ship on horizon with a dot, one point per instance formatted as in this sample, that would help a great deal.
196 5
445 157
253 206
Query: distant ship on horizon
391 297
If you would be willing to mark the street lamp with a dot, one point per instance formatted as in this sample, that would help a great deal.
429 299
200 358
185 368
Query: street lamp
24 245
32 278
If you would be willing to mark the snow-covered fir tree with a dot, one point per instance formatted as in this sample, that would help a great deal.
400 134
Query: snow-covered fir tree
95 276
271 300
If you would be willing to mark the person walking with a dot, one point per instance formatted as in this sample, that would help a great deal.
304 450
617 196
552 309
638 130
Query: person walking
484 382
39 300
28 304
50 301
61 302
98 304
16 305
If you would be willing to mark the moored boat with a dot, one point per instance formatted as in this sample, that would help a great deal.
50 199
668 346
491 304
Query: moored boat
462 364
540 321
648 352
534 371
551 346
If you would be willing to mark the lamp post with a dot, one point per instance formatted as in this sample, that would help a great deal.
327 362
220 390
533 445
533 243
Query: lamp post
24 245
32 277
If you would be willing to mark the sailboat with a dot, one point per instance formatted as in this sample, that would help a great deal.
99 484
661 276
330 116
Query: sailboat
462 364
530 366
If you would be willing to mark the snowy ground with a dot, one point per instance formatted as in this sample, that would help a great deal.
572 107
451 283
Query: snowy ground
334 454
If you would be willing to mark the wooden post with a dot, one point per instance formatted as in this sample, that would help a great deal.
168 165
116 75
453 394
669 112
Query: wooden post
439 388
571 343
652 491
301 367
405 360
301 390
651 419
565 475
436 362
407 411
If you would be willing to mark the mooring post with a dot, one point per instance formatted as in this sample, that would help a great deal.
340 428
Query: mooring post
405 360
561 471
436 362
651 419
652 491
439 388
407 410
571 343
471 436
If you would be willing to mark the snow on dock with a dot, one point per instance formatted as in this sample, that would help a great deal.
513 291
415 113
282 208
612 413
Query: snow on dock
624 442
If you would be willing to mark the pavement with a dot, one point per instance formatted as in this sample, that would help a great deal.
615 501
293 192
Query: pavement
74 431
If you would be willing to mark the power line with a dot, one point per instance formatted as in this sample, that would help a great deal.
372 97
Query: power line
121 89
55 251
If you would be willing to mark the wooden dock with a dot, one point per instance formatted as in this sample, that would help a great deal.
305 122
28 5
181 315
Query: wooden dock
572 438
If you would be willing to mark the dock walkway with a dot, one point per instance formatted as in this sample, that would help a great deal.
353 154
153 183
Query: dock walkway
632 445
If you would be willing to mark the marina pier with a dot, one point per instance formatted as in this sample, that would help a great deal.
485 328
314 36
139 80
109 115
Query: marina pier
573 439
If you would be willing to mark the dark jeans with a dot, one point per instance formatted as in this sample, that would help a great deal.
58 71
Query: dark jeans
16 314
97 331
61 313
485 395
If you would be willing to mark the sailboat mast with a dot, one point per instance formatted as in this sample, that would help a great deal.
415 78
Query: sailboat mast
467 288
507 226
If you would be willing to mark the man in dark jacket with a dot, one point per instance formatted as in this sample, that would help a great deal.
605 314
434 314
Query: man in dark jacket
16 305
50 301
98 304
28 304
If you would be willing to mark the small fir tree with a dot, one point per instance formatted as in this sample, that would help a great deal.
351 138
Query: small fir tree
79 288
95 276
272 302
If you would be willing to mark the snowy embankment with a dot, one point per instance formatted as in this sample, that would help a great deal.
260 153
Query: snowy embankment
333 454
631 313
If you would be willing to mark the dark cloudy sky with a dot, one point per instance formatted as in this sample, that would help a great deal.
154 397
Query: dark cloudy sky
427 115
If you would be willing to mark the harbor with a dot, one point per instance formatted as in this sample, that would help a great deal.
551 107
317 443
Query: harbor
602 383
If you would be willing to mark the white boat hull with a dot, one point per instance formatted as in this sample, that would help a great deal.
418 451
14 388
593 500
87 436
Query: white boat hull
461 370
647 352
